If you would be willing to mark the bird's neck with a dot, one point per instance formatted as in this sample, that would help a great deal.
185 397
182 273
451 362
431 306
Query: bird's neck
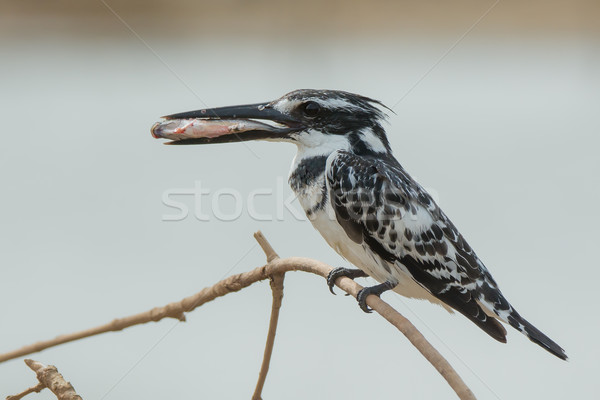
309 164
307 180
307 175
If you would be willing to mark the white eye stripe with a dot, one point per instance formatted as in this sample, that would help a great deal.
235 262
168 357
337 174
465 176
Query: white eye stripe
337 103
373 141
287 106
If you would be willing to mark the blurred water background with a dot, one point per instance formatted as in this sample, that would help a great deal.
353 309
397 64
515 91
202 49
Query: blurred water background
496 112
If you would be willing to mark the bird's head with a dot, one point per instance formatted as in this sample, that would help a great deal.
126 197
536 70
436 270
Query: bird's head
315 119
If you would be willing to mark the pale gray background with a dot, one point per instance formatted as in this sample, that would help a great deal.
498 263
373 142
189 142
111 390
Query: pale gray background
504 129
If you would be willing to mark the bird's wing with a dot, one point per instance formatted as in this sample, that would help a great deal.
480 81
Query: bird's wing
380 206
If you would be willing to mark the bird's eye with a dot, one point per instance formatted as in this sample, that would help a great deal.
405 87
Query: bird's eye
311 109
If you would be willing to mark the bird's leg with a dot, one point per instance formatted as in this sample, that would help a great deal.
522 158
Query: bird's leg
377 290
347 272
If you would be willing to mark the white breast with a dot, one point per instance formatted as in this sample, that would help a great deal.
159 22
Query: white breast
324 221
321 214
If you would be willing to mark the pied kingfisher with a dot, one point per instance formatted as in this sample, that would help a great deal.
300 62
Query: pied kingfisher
365 205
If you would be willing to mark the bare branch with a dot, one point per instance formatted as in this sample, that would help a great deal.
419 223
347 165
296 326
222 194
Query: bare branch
266 246
52 379
37 388
234 283
277 290
387 312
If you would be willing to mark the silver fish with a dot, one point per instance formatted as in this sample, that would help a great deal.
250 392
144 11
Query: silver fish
180 129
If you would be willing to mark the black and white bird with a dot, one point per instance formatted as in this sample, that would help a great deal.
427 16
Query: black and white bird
363 202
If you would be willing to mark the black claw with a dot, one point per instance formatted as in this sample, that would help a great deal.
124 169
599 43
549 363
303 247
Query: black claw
339 272
362 300
376 290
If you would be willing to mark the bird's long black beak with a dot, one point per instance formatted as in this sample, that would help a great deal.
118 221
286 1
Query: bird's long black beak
226 124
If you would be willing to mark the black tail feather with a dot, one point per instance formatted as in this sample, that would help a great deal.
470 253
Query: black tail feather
467 306
535 335
492 327
494 300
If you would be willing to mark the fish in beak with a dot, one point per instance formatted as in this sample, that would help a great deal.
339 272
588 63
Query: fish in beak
226 124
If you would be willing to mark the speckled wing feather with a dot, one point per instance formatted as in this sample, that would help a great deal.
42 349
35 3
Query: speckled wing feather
379 205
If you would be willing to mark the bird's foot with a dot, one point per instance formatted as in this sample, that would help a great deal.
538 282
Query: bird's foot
347 272
377 290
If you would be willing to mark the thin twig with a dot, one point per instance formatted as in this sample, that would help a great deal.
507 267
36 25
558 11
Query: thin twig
266 246
277 291
237 282
53 380
37 388
156 314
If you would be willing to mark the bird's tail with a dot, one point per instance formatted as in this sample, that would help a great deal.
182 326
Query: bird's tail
493 302
534 334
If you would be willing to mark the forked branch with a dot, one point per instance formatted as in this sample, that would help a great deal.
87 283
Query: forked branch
48 377
274 269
